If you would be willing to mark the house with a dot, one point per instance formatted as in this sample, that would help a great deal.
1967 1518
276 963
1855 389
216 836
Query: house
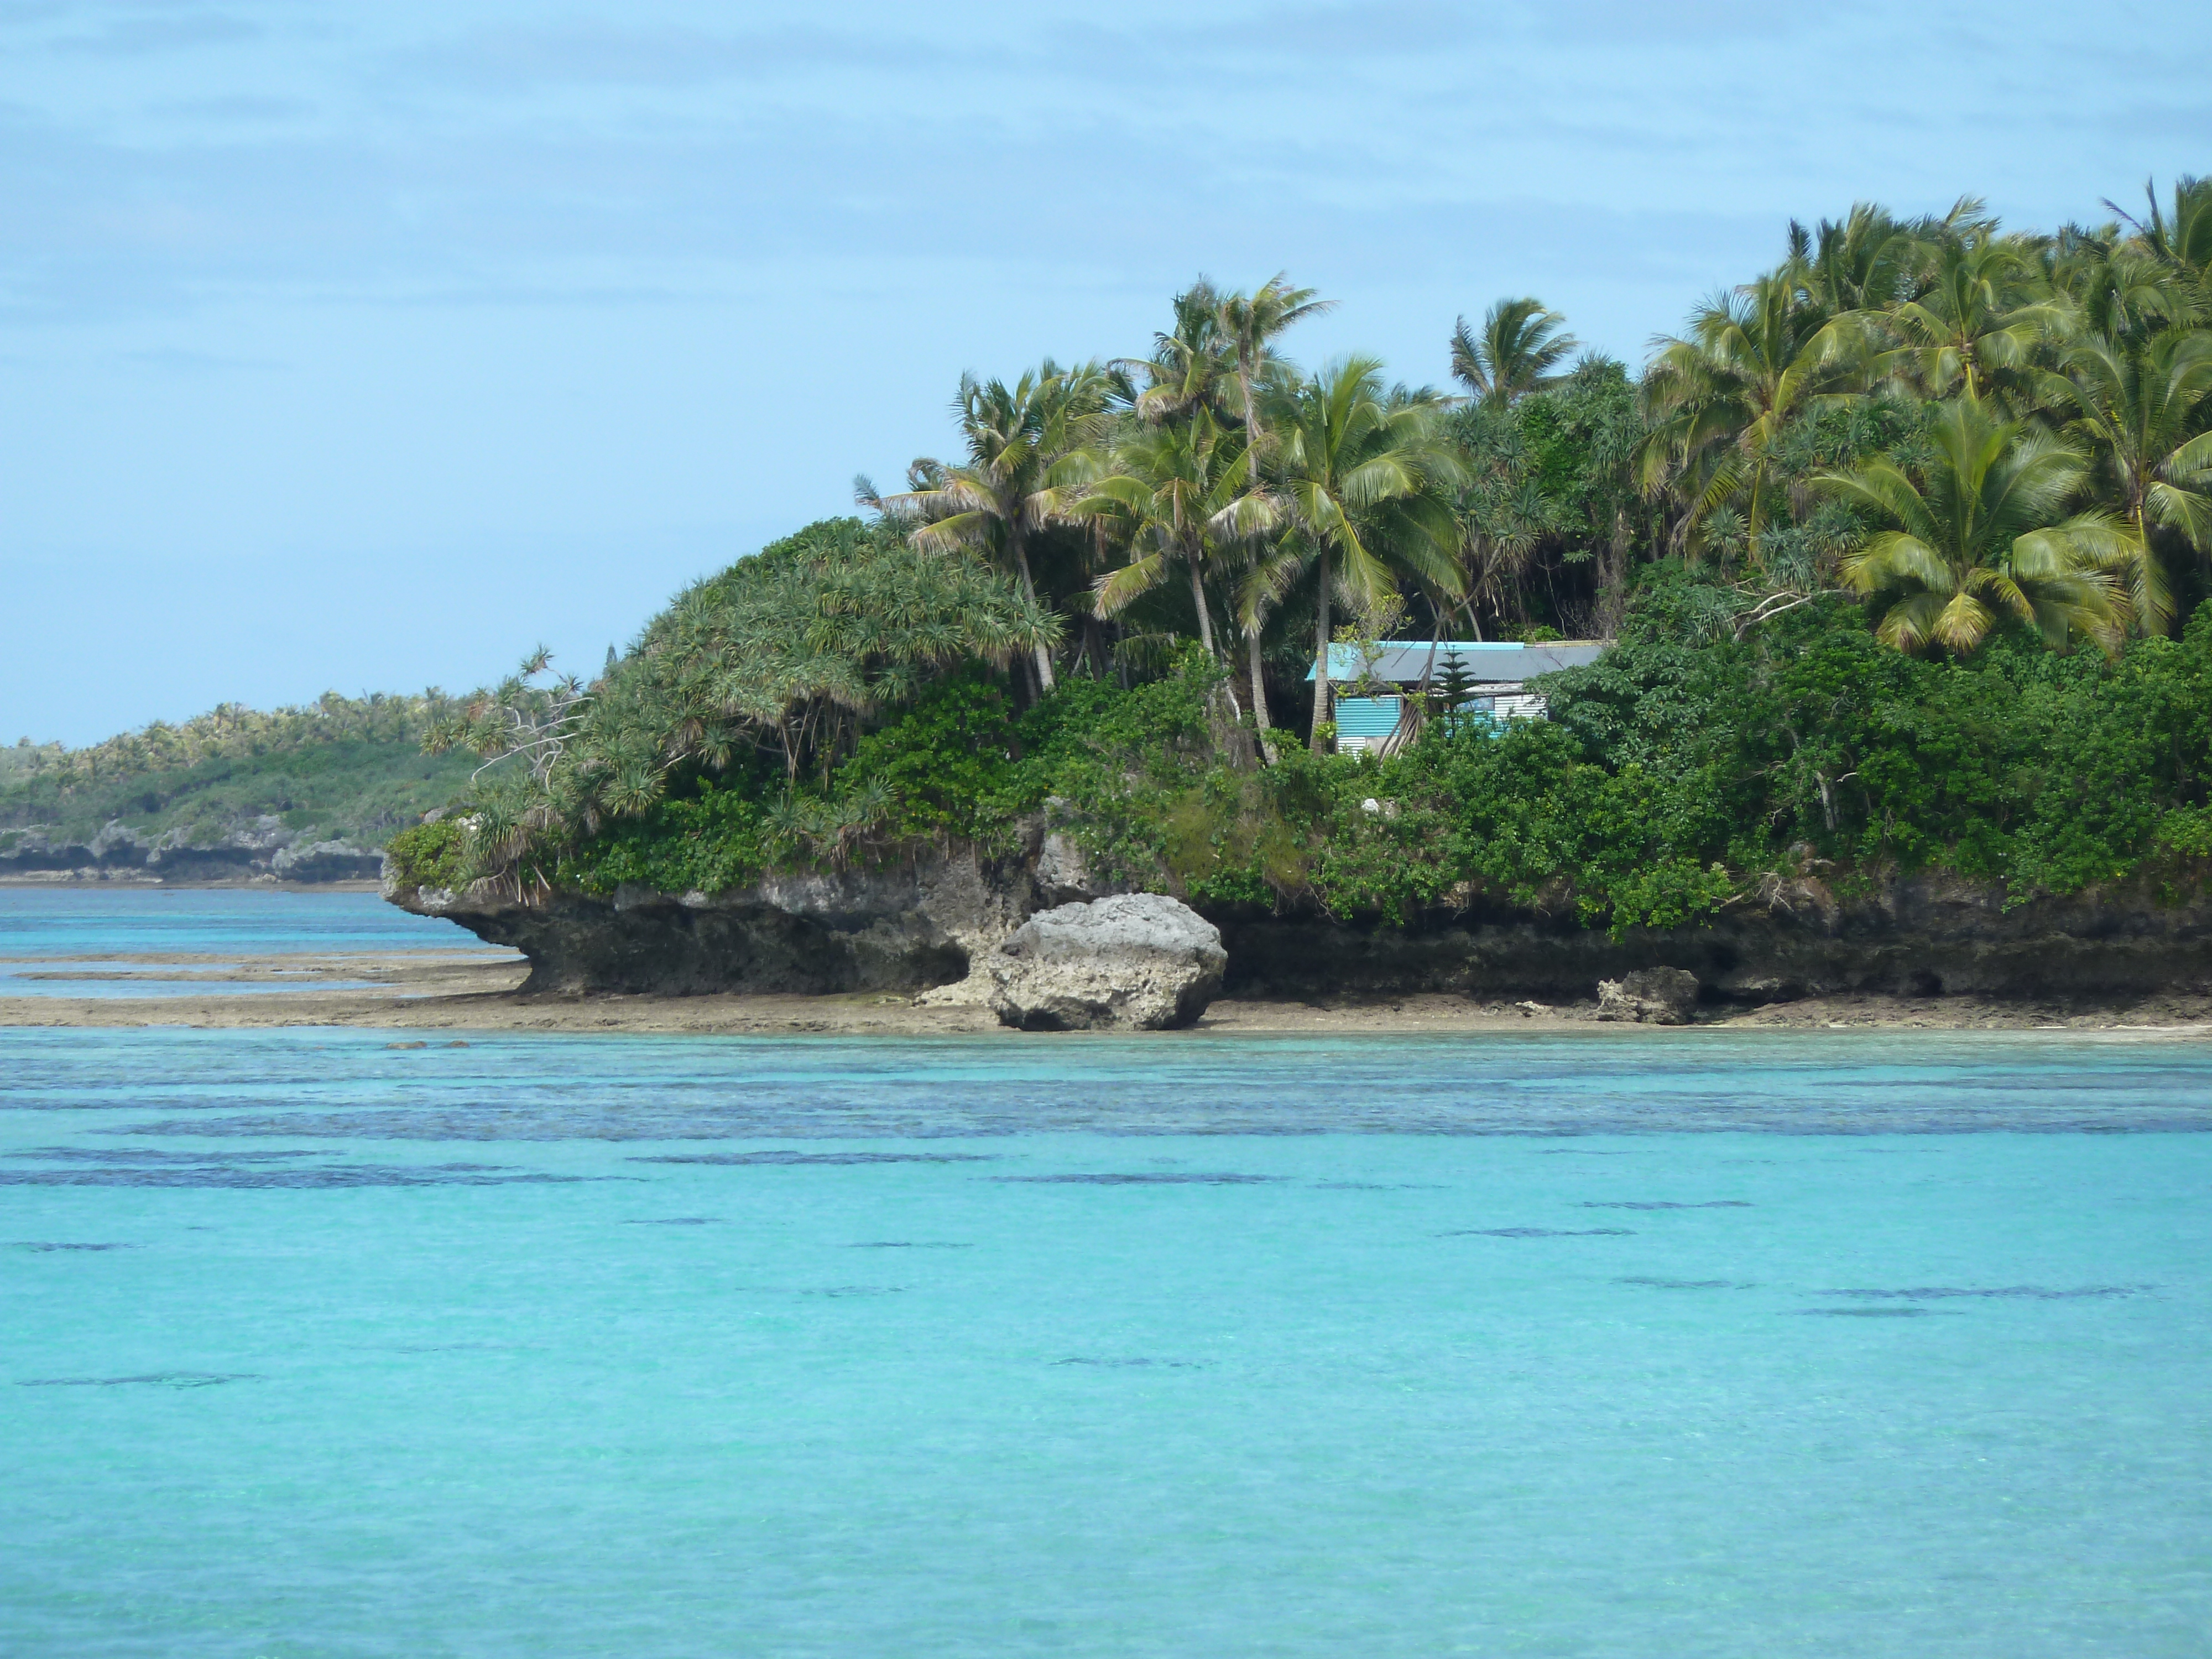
1376 682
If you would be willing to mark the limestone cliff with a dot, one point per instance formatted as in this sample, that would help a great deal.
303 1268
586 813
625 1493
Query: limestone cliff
259 849
1924 935
900 928
917 925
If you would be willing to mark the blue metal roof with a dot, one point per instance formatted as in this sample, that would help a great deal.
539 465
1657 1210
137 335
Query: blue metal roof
1487 662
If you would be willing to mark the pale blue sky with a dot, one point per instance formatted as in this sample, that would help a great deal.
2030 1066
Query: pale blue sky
365 346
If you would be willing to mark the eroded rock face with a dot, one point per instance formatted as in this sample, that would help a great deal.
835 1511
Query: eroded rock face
938 919
1139 961
260 849
1650 996
903 927
1925 935
1061 874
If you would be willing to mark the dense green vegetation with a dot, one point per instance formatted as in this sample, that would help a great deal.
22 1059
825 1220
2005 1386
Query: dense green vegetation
343 767
1670 775
1901 544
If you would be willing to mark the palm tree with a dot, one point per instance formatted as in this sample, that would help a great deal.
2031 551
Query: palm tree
1248 325
1521 345
2182 240
1180 491
1977 326
1029 449
1865 263
1188 362
1721 397
1363 473
2145 408
1978 536
2118 285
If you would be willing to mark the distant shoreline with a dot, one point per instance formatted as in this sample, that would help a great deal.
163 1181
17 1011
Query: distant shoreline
459 993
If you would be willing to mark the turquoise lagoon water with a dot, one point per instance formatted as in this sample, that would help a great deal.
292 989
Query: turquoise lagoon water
37 921
39 926
1678 1343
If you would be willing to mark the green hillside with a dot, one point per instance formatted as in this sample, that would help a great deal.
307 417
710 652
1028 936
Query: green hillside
349 768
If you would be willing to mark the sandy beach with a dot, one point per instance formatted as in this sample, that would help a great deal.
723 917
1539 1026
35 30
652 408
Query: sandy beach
464 992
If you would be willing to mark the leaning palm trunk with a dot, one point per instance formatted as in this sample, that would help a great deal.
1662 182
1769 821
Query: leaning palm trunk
1323 708
1190 564
1029 593
1260 695
1192 557
1251 423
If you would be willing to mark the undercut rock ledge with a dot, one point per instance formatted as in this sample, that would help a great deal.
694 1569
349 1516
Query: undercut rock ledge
939 922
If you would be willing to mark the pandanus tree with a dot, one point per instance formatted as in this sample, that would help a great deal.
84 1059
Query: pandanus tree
1500 505
790 654
1366 476
1979 534
2144 408
1029 451
1721 397
1519 351
791 651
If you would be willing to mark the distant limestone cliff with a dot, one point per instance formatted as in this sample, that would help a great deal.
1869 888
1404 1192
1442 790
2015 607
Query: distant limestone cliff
264 850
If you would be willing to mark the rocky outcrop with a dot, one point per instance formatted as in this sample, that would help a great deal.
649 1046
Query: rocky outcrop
1928 935
262 849
900 928
1060 872
1139 961
326 861
1650 996
926 923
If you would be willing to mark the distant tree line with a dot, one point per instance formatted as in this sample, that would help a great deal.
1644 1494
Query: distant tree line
230 731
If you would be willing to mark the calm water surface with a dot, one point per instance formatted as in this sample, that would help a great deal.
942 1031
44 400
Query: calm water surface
43 931
1671 1344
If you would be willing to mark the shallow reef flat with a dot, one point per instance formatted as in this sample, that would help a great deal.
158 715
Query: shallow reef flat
479 992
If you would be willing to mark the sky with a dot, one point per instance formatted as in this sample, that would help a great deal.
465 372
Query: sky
367 347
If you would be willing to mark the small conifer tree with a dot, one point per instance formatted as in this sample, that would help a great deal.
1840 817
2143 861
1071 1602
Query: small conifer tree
1450 691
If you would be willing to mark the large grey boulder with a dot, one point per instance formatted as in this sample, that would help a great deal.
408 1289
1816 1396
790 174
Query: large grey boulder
1650 996
1136 959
